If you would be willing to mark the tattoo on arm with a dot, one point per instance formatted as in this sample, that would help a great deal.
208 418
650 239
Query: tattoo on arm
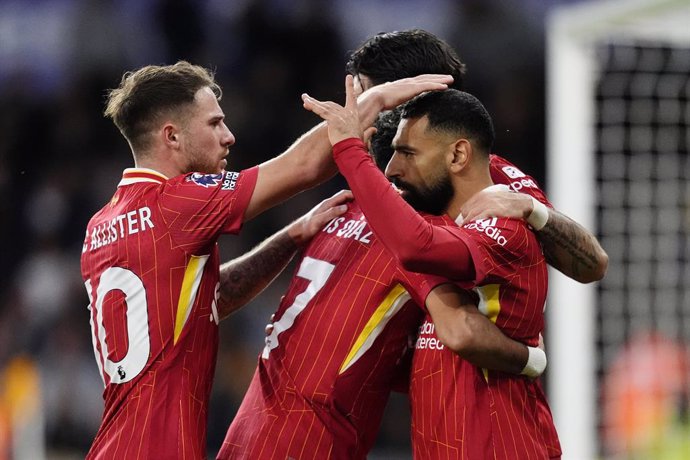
572 249
245 277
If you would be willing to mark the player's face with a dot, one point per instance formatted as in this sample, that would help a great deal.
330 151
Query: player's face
418 167
206 138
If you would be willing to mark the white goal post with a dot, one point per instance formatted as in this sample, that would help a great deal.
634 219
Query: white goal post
573 34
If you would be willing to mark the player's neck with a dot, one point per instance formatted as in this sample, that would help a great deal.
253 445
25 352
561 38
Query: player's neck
465 187
151 160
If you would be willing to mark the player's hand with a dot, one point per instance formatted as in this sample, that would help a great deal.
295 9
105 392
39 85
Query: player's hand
343 122
303 229
367 135
268 329
496 203
392 94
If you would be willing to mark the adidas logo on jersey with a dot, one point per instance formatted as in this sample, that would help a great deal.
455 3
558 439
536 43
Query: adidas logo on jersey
488 227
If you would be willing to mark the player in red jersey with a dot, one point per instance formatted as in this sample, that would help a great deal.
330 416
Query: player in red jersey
256 421
333 353
568 246
441 159
150 257
341 336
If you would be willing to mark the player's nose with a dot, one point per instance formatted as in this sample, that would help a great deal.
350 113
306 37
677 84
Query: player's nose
228 137
393 169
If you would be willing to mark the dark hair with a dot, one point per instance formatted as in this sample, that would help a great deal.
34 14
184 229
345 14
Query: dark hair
455 112
400 54
147 93
381 147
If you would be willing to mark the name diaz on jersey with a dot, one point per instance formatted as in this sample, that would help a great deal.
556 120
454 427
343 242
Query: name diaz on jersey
350 228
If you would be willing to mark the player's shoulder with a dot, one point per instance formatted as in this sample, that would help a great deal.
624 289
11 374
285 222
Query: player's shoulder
441 220
499 165
500 230
504 172
226 180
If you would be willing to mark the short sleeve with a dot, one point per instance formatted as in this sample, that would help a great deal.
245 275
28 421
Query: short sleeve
504 172
498 246
197 207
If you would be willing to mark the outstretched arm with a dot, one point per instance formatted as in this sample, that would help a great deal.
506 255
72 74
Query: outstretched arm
461 327
308 161
245 277
568 246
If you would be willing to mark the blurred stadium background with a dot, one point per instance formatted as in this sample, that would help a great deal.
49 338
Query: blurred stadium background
612 75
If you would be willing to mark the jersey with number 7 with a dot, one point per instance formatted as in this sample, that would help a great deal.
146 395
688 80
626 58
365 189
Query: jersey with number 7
337 346
151 267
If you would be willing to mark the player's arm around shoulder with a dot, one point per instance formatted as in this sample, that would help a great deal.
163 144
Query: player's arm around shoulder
461 327
305 164
567 245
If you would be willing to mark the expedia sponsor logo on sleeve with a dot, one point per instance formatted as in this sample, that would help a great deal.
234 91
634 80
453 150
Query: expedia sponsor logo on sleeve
230 180
488 227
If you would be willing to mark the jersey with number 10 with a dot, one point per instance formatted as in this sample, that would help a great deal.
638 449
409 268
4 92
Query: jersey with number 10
327 369
151 267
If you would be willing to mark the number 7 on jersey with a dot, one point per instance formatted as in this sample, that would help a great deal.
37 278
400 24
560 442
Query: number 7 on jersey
317 272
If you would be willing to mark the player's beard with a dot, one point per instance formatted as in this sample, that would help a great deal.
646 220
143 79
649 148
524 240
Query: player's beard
432 199
203 162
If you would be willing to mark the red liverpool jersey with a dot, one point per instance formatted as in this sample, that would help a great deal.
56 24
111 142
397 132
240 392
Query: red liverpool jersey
455 406
151 268
327 369
504 172
455 415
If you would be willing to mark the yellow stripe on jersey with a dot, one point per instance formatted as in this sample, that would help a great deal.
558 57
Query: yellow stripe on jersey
393 302
489 306
488 301
190 286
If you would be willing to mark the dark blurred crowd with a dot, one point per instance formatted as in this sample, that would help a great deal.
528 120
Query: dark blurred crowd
60 159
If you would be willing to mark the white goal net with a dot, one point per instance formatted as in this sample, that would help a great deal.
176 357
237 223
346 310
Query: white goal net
618 162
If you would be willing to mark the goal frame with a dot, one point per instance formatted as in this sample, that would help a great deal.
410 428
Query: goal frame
572 34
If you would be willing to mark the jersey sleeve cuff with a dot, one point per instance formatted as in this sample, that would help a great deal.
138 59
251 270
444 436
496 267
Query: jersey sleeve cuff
343 146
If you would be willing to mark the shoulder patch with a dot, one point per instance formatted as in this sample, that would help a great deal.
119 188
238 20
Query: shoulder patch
513 172
205 180
230 180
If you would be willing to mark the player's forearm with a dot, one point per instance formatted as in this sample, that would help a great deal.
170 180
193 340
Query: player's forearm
369 105
462 328
311 156
307 163
572 249
480 342
418 245
245 277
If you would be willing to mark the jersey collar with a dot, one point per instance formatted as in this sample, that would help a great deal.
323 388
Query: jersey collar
137 175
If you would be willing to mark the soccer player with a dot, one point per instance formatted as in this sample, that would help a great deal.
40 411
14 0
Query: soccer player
441 159
568 246
150 258
340 343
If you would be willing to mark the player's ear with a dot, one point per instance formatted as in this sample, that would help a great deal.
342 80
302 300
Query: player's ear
460 155
171 135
